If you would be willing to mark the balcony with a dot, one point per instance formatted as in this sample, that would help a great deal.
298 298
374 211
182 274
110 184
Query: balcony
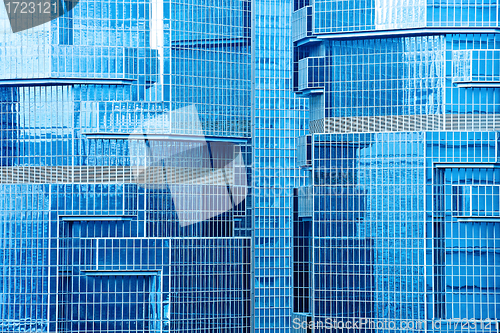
476 68
302 25
71 65
304 151
311 78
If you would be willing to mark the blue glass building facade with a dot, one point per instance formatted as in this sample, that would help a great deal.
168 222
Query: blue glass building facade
278 118
402 160
237 166
124 158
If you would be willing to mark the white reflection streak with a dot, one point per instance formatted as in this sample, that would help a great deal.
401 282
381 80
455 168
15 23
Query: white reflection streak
225 187
156 36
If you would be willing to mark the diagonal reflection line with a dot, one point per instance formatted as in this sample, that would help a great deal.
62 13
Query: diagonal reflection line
212 171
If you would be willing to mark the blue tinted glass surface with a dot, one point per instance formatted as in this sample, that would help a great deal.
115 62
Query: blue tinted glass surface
401 212
124 149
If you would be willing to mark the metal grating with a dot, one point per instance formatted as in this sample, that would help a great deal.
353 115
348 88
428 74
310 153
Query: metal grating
114 174
407 123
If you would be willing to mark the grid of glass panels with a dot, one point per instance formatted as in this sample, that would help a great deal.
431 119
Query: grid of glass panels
337 16
411 83
396 236
104 71
390 77
463 13
343 15
117 284
476 65
464 228
210 285
26 273
367 241
108 304
483 69
400 14
210 65
279 118
379 77
403 221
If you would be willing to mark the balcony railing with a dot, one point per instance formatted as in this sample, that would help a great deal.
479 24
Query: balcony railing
302 24
311 74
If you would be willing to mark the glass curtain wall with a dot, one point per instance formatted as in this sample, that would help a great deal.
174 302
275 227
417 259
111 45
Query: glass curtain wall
124 169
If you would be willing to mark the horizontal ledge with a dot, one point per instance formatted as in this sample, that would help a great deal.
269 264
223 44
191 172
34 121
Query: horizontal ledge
74 218
311 91
65 81
172 137
477 84
447 165
478 218
406 32
120 272
307 40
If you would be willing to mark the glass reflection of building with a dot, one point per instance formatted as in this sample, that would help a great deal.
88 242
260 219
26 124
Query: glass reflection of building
125 133
404 195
